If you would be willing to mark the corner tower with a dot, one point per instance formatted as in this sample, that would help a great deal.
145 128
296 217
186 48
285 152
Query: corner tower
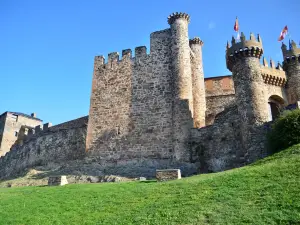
182 84
199 100
242 59
291 65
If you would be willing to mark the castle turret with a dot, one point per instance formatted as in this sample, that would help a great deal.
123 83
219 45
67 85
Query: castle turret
181 56
199 100
182 78
242 58
291 65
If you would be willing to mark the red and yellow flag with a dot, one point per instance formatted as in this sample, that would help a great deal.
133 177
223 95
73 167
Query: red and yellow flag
283 33
236 25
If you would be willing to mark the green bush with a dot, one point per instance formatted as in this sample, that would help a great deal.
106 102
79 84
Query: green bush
285 131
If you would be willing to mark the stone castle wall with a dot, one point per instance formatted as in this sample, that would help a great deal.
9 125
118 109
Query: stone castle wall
219 95
56 144
219 147
131 104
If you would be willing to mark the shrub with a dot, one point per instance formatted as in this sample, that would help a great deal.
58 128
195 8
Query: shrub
285 131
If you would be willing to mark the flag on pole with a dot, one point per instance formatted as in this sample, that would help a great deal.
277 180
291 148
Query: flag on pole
236 25
236 28
290 45
283 33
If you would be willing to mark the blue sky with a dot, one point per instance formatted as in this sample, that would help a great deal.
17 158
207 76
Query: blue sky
47 47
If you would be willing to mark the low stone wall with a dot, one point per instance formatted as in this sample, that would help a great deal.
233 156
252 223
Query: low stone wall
57 144
57 181
169 174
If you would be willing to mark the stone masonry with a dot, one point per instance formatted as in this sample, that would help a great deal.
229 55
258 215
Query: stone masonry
168 174
10 125
154 110
147 100
43 145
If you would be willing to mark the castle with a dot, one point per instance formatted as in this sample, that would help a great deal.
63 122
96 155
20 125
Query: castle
156 110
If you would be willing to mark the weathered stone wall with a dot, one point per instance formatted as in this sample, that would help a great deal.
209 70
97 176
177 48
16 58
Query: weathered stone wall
217 104
220 146
131 105
12 124
57 144
219 94
219 86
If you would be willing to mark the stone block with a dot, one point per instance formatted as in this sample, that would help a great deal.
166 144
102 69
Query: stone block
57 181
168 174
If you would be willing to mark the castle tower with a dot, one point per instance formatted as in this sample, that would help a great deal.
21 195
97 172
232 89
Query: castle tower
291 65
180 49
182 78
199 100
242 59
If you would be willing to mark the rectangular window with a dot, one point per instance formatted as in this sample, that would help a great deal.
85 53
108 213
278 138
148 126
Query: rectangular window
14 117
16 133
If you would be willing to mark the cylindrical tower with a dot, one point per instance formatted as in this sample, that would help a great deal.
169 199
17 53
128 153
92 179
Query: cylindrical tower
291 65
242 59
199 100
181 61
182 85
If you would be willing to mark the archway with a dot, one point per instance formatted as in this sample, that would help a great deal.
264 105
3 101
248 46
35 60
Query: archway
276 103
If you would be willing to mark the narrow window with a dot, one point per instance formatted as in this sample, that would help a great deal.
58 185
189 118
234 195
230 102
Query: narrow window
16 133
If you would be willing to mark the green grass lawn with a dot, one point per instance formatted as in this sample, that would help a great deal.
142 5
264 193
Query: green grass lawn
267 192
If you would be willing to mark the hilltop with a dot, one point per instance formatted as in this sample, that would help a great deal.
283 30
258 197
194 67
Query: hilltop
266 192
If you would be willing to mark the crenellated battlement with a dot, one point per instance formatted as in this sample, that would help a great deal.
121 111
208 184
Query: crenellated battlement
114 57
245 48
272 74
140 52
196 41
34 132
178 15
292 54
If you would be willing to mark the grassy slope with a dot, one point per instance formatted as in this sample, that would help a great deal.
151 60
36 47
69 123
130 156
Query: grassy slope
266 192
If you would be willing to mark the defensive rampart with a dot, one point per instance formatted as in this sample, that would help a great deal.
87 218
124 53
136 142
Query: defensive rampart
59 143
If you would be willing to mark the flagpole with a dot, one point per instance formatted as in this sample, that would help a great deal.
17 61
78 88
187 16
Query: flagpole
237 28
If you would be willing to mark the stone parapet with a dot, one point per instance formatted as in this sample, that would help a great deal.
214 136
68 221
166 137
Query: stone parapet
245 48
273 75
168 174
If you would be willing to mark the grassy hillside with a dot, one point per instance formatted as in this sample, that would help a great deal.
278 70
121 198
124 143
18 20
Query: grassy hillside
267 192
